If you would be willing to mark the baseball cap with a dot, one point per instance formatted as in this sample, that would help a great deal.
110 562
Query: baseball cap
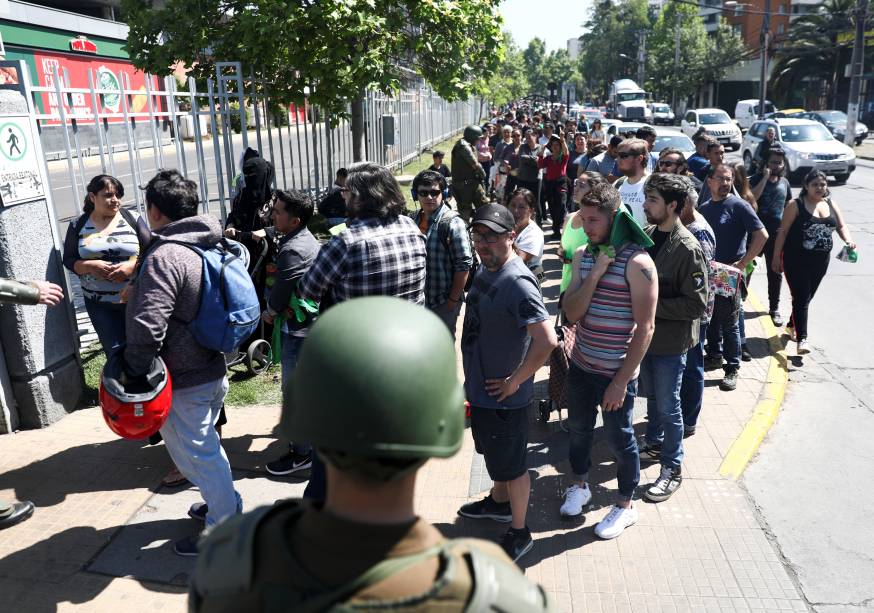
495 217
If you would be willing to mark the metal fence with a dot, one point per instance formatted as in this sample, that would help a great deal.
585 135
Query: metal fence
111 127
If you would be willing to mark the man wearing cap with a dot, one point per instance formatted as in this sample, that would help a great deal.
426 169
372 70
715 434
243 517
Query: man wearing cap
506 337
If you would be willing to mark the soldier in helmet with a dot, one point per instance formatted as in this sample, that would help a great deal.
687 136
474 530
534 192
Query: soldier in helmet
375 423
468 174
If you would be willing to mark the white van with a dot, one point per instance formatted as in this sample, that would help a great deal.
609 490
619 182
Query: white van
747 111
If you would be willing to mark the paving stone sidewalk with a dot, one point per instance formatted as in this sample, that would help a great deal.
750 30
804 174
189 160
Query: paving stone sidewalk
101 537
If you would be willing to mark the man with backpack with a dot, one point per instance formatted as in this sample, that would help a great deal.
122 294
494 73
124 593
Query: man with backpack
165 301
447 245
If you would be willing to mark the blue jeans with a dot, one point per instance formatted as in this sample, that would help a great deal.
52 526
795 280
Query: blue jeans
692 389
108 321
585 391
288 360
724 323
660 380
194 445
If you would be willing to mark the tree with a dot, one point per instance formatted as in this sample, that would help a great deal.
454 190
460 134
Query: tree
509 82
612 29
535 57
666 76
335 48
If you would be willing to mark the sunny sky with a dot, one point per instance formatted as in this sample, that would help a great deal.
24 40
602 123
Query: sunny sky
554 21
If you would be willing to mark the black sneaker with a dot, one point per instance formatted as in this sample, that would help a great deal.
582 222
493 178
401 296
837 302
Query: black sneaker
290 463
712 362
729 381
669 481
649 452
187 547
688 431
198 511
517 542
776 318
745 354
487 508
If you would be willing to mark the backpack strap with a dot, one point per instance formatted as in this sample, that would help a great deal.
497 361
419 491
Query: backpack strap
128 217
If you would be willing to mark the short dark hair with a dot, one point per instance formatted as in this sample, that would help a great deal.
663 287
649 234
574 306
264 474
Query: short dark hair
428 177
645 132
604 197
296 203
712 170
615 141
438 154
776 150
174 195
712 144
375 191
672 188
342 173
527 194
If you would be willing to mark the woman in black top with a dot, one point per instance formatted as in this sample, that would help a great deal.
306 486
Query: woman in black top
804 245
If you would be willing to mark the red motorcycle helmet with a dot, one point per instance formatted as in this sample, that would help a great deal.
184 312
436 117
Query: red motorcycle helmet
135 407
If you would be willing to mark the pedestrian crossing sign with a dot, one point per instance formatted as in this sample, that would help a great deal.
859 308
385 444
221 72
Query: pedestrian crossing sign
20 176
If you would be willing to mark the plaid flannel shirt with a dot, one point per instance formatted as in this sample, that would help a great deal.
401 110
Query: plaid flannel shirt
444 261
372 257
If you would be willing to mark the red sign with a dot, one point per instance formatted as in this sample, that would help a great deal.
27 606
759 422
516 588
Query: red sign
80 43
109 78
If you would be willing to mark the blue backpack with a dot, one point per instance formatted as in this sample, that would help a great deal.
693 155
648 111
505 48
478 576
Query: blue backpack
229 310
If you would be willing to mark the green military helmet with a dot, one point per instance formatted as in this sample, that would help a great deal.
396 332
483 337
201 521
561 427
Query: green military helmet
377 378
472 134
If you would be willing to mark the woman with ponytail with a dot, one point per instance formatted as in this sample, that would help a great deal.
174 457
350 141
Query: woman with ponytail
101 247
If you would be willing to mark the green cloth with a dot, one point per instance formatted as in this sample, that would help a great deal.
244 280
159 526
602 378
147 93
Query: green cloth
571 240
301 309
625 230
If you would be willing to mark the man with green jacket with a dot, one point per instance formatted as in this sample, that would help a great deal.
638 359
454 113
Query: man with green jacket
468 174
682 278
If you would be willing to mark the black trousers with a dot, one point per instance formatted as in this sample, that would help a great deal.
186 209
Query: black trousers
555 196
804 272
775 279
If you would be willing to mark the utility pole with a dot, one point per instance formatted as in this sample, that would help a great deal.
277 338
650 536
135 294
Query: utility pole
857 67
641 58
764 38
676 56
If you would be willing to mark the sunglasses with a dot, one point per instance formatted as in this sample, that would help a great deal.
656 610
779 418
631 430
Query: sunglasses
668 163
429 193
625 154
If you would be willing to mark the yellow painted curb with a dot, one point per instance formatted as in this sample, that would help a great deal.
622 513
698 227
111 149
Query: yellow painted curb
747 443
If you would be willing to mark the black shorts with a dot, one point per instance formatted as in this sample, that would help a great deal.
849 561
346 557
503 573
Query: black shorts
501 436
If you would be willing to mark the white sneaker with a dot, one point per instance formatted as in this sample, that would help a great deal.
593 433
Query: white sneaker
575 498
803 348
617 520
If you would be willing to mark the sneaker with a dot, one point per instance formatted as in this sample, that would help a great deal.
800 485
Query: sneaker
650 452
790 332
776 318
713 361
290 463
187 547
745 354
802 348
517 542
198 511
575 498
617 520
487 508
669 481
729 381
688 431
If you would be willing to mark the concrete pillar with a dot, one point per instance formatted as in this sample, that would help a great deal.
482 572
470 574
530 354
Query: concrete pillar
38 344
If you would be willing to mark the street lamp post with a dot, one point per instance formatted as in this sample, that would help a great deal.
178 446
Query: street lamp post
765 40
857 68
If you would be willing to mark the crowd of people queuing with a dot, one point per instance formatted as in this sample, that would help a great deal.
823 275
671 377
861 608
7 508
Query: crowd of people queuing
656 252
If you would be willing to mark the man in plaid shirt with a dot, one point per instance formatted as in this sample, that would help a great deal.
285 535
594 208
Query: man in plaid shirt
380 253
448 246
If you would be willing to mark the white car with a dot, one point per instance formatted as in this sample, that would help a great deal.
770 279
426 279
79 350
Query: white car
808 145
662 113
623 127
716 123
674 140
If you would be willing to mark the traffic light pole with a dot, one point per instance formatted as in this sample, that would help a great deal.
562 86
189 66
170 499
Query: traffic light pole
858 68
765 41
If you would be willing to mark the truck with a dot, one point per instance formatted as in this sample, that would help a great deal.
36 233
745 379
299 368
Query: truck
628 101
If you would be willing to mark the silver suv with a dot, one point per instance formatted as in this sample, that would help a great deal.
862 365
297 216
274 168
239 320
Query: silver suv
808 144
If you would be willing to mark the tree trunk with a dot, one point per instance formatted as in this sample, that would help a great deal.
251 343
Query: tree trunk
358 150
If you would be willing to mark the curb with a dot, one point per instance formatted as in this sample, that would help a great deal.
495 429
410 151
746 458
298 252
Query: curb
770 400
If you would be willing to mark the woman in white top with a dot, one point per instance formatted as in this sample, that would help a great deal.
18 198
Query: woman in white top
596 134
529 237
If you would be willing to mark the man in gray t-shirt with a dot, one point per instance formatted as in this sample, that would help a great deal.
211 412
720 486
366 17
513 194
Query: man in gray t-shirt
506 337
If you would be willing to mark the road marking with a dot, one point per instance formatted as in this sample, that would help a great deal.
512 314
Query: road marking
765 413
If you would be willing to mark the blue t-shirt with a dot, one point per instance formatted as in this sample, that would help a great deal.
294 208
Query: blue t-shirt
773 199
495 339
732 220
697 165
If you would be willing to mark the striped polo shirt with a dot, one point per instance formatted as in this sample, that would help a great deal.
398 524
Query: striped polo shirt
605 331
116 243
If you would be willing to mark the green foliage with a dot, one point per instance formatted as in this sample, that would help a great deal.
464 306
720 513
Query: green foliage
334 47
509 82
694 49
612 29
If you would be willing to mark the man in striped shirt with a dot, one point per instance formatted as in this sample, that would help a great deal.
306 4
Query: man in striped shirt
612 297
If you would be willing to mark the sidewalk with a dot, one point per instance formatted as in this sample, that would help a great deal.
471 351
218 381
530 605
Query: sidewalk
100 539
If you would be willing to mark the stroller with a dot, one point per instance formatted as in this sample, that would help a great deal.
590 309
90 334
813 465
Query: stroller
256 352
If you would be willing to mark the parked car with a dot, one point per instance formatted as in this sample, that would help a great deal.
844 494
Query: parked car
747 111
623 127
662 113
785 113
836 122
717 124
675 140
808 144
